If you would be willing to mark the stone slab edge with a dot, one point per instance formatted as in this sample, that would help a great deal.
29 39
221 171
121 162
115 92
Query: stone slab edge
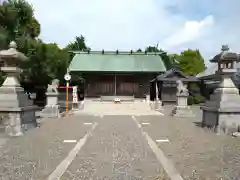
223 110
166 163
19 109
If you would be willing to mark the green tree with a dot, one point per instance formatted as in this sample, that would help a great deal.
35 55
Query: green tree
152 49
78 44
18 23
191 62
46 61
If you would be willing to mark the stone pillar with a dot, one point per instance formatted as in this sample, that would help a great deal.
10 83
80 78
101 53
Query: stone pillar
18 112
52 107
158 102
182 109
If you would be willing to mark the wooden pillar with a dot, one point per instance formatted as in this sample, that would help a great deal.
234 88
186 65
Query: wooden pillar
115 84
160 89
152 91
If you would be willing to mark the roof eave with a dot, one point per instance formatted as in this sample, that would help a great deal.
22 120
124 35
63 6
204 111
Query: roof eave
75 70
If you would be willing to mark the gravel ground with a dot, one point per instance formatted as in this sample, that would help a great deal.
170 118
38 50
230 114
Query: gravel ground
196 152
37 154
116 150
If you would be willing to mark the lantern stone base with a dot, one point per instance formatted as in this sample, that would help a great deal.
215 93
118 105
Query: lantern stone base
222 111
50 111
223 121
17 111
18 120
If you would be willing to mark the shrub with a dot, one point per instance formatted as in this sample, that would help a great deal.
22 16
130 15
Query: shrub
190 100
198 99
195 99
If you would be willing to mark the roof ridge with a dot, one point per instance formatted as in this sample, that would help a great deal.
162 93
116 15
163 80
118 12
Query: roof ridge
116 52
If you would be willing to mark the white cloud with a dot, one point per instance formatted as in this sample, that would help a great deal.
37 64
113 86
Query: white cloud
133 24
108 24
192 31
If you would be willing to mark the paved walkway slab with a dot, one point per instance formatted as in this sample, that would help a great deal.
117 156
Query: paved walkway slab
124 108
116 150
197 153
36 155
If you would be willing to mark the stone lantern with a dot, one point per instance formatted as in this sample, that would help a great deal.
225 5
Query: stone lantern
225 61
222 111
17 111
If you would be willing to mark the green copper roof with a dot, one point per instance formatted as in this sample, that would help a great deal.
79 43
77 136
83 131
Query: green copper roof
121 62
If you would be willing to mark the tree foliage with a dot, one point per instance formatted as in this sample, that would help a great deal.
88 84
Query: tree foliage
47 61
191 62
78 44
153 49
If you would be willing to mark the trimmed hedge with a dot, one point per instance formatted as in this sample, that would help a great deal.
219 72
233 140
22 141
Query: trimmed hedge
196 99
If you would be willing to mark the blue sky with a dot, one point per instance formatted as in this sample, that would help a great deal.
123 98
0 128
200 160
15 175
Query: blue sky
131 24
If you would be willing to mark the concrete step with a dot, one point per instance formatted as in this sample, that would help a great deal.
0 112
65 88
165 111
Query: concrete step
112 98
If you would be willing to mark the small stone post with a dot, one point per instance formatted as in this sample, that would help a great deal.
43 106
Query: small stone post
52 108
182 109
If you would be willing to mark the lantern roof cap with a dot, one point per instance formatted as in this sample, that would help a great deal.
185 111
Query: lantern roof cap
226 56
12 53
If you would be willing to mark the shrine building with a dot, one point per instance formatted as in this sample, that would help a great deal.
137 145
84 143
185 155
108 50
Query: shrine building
110 74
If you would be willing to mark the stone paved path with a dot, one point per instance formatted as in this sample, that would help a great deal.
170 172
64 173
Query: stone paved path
197 153
35 155
116 150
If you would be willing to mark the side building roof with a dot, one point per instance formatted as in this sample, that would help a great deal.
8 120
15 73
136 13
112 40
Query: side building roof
175 74
210 71
116 62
